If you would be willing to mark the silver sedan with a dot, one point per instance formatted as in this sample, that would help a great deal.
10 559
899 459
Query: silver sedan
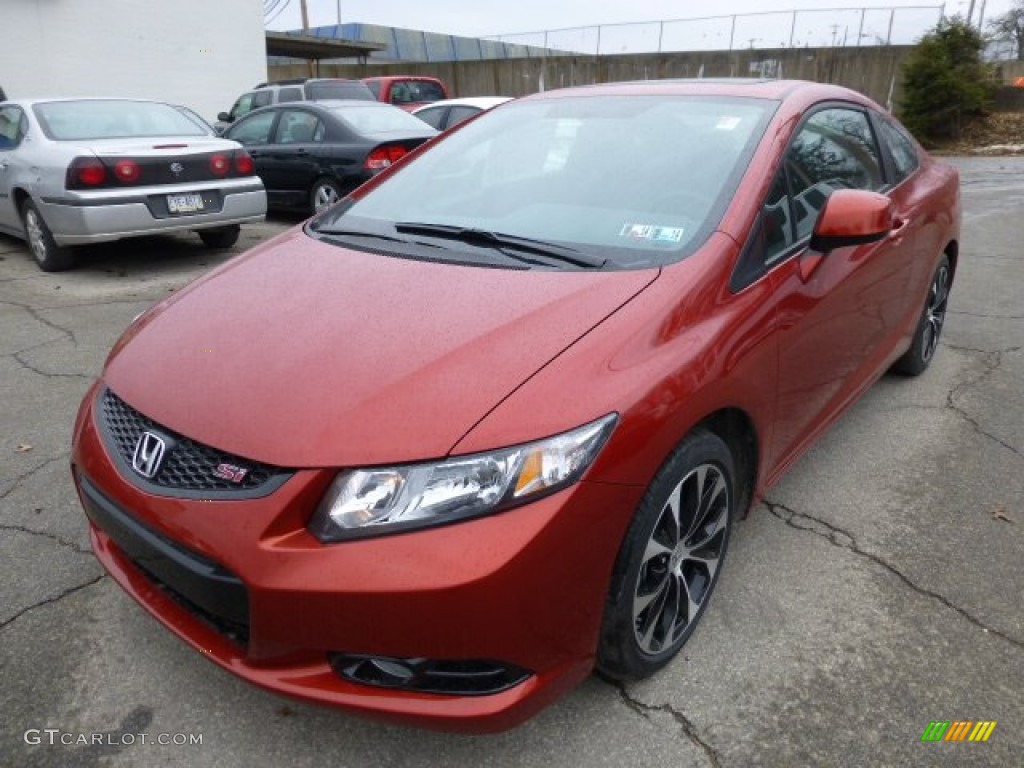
76 171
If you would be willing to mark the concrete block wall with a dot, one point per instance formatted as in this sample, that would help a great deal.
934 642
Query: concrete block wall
874 71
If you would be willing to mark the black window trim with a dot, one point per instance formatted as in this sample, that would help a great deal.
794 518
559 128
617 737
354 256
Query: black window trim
750 267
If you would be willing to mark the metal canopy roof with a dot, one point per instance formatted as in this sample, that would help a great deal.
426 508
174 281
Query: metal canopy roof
312 47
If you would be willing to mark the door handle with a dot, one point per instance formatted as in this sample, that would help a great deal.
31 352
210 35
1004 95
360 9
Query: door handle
899 227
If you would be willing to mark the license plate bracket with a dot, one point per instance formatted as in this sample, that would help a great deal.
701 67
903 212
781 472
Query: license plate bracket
189 202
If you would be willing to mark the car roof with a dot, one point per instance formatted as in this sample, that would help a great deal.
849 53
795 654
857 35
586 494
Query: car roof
321 104
28 102
797 91
403 77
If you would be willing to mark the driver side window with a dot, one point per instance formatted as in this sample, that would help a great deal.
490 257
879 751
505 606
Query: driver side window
835 149
253 130
242 107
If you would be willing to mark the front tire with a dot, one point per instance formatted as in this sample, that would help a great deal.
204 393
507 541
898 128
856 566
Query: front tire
670 559
323 194
929 328
48 255
221 237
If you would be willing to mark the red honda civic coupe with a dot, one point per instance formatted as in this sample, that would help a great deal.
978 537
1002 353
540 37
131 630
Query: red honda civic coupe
488 422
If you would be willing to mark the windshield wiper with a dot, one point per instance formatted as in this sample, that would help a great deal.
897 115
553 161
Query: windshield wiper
355 233
499 240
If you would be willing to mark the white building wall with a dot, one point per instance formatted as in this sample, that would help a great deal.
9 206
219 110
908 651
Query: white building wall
200 53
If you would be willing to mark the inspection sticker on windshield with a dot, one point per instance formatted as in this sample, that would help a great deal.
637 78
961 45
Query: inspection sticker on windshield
652 233
726 123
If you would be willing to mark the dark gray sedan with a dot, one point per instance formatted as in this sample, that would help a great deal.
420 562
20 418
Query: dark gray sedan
310 155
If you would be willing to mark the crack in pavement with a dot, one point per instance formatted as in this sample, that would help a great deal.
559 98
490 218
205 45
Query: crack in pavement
19 479
992 360
845 540
47 374
66 332
46 535
50 600
105 302
689 729
988 316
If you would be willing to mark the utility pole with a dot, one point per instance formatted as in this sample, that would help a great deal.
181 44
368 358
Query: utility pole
313 68
970 13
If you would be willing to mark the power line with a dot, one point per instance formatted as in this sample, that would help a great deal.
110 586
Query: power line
281 10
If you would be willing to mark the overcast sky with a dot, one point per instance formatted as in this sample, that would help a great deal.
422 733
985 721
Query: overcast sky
479 17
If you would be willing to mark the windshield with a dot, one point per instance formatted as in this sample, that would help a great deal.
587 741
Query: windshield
636 180
111 119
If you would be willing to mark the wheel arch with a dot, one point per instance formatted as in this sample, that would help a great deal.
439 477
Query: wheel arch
737 430
20 195
952 251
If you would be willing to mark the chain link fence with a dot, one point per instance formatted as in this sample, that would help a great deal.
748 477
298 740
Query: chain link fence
835 27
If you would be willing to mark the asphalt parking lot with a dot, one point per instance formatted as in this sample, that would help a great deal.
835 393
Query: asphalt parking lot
877 589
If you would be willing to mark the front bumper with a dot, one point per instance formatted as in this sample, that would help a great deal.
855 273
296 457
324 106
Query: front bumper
525 587
104 215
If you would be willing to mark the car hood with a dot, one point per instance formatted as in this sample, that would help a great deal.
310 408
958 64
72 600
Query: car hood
306 354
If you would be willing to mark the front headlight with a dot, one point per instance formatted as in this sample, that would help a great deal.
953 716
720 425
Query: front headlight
373 502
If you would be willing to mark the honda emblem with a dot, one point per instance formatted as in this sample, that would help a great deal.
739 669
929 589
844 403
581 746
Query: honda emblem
149 454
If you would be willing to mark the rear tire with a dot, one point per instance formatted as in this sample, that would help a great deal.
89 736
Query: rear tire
48 255
670 558
221 237
929 328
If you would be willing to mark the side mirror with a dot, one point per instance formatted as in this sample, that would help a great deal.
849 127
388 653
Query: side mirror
852 217
224 117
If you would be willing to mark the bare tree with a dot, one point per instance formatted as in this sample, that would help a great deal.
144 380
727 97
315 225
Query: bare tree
1010 27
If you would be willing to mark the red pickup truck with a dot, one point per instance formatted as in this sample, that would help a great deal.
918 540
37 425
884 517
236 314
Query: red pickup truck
407 91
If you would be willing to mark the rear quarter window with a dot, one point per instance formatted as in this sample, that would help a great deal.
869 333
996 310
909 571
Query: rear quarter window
901 149
460 114
432 117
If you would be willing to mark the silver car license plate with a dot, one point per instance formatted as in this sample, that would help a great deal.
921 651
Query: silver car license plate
189 203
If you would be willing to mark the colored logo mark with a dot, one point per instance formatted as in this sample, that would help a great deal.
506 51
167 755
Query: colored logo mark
958 730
